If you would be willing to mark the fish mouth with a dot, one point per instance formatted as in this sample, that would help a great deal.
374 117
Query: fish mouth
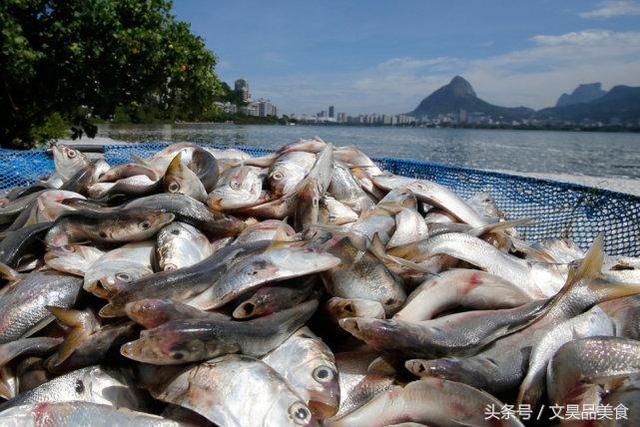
244 310
215 204
323 410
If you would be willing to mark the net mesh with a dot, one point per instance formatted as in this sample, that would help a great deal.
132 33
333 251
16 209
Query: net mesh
561 210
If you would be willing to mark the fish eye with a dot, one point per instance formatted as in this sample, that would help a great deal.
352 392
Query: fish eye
68 248
123 276
177 355
300 413
235 185
72 153
277 176
323 374
175 232
174 187
145 225
79 387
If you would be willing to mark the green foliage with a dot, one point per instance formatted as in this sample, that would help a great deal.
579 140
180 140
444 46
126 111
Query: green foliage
53 127
91 59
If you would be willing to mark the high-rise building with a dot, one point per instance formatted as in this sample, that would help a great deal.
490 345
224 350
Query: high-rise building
331 111
242 86
266 108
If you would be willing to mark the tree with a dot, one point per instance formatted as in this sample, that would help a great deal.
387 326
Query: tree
85 58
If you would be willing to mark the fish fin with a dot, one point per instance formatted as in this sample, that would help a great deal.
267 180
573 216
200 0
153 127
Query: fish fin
378 248
7 384
591 264
381 366
75 318
71 342
531 391
111 310
38 326
175 164
501 226
9 273
291 319
280 237
411 265
358 240
262 162
140 160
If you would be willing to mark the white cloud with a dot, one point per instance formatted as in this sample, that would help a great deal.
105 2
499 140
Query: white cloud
534 77
611 8
580 37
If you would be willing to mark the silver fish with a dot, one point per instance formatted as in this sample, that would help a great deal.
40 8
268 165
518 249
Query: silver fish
308 365
275 264
237 188
180 245
502 364
92 384
410 227
126 263
191 340
79 413
362 275
583 359
434 194
460 287
23 304
592 323
346 189
431 401
218 390
288 170
357 385
180 179
73 259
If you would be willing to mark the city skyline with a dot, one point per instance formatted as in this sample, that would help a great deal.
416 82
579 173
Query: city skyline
380 56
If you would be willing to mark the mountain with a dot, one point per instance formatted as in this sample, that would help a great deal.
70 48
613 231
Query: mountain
583 93
621 102
459 95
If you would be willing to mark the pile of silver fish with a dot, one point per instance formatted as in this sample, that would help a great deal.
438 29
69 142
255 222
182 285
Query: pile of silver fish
306 287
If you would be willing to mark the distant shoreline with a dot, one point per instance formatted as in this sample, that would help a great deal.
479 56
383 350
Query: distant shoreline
607 129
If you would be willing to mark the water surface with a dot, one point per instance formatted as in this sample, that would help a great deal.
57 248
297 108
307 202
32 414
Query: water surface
614 155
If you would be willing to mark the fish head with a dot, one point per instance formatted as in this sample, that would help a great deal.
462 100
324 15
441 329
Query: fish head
105 279
165 345
317 375
288 170
450 368
397 199
68 160
182 180
149 312
73 258
293 261
105 386
340 308
288 409
142 224
376 332
240 187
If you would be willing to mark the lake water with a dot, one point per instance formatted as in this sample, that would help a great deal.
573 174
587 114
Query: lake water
546 153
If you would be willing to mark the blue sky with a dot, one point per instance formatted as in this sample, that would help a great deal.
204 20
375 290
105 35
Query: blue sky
385 56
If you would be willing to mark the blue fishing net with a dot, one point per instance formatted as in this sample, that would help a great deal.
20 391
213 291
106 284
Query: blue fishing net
561 210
